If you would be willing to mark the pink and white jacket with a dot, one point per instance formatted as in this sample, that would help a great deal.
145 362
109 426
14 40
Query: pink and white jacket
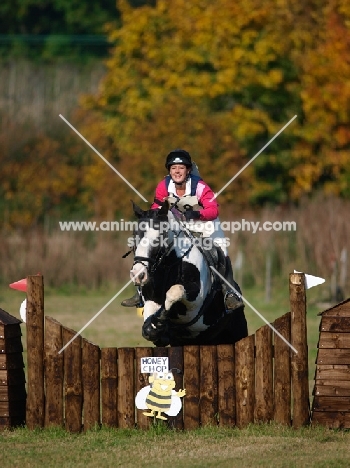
204 194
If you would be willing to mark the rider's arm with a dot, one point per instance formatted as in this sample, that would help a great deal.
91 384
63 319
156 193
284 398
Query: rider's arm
210 210
160 194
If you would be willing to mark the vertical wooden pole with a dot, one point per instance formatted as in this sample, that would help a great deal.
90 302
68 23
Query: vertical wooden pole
226 385
282 372
299 360
109 385
126 388
208 400
191 384
176 361
141 381
91 384
263 411
35 411
54 376
73 385
245 379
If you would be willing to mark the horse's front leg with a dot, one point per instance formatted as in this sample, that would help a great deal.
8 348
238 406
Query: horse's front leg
175 294
155 326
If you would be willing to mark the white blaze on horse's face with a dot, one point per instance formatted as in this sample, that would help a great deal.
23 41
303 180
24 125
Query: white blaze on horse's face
151 239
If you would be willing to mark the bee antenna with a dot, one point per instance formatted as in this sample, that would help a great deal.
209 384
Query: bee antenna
175 369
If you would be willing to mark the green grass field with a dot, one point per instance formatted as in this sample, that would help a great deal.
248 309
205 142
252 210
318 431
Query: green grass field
257 445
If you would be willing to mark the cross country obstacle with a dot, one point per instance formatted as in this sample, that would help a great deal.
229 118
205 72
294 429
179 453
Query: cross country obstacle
258 379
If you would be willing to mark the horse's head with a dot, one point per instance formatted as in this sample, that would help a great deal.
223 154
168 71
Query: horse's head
151 225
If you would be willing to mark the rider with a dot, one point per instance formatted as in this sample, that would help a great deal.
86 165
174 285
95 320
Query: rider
197 202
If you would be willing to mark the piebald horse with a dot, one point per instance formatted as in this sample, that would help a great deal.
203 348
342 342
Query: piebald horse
183 302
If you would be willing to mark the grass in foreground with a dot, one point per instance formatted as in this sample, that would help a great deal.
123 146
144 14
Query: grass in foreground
257 445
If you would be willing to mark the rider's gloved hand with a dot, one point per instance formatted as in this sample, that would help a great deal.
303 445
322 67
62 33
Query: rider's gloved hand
191 214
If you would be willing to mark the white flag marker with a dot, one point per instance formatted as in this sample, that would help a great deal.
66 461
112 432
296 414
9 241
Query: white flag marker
311 281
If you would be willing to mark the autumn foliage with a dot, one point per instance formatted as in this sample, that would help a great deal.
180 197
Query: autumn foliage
219 79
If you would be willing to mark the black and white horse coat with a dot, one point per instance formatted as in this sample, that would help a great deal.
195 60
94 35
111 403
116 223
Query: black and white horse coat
182 301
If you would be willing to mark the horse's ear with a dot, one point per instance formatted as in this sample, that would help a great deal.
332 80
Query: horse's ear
137 210
165 208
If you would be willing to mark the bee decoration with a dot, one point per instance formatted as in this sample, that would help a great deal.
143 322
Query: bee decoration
160 397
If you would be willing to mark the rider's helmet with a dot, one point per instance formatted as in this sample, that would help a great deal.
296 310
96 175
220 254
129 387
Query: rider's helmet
178 156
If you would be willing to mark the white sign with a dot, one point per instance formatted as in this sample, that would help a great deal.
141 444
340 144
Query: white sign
154 364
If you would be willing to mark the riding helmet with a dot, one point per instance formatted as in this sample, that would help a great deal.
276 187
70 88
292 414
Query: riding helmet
178 156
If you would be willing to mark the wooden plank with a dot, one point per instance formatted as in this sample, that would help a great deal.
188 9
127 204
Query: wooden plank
6 320
331 403
13 393
54 373
335 324
176 365
332 388
10 331
109 385
35 415
126 388
282 371
299 360
11 361
332 372
334 356
191 384
208 393
141 381
334 340
331 419
263 408
11 345
245 381
73 388
12 377
91 384
339 310
226 385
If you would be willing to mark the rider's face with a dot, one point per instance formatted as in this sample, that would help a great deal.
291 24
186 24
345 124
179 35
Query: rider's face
179 172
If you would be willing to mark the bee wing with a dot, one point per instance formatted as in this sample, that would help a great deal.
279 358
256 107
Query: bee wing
175 406
140 399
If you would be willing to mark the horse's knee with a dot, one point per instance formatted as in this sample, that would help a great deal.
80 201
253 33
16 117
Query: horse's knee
174 294
149 309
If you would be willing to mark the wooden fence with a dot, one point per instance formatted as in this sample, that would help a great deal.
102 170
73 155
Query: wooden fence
258 379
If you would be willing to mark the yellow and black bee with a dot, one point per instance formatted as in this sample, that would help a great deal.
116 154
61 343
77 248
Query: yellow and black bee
160 396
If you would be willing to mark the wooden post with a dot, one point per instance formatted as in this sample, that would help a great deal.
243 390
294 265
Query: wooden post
126 388
263 411
282 372
176 360
109 377
141 381
226 385
208 400
73 381
35 411
191 384
54 376
245 377
91 384
299 360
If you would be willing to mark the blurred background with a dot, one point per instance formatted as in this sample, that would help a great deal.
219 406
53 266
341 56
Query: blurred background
139 78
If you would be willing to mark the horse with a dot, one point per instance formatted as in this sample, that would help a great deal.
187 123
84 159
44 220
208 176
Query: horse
182 296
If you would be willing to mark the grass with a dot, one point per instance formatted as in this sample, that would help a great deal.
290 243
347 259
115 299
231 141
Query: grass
257 445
